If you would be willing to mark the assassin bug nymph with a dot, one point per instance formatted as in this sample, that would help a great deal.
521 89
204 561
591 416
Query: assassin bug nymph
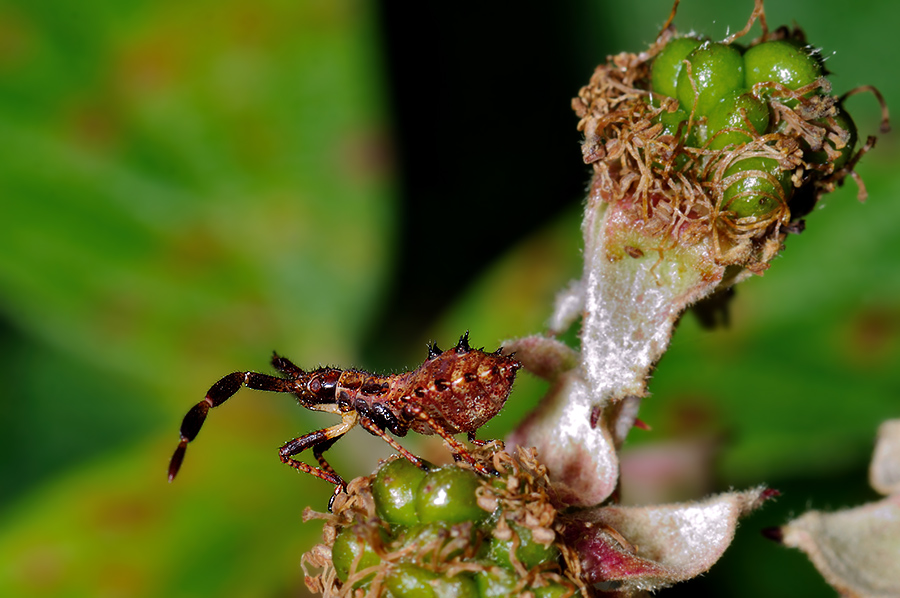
453 391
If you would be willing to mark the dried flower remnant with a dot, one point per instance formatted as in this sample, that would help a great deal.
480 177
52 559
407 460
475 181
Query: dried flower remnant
699 141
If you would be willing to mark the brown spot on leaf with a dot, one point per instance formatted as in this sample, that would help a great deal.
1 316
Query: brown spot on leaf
873 336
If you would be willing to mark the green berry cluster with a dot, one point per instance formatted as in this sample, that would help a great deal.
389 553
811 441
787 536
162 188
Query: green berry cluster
721 146
729 98
405 532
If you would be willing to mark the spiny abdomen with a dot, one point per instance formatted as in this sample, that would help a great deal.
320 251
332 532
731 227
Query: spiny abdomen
461 388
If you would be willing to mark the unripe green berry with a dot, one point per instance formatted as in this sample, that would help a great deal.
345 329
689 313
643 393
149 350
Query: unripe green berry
432 538
501 583
552 590
347 546
529 552
448 495
409 581
495 583
716 70
394 490
668 64
755 195
733 112
782 62
671 121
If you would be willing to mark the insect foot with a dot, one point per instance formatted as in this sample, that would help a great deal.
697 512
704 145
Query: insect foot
453 392
403 532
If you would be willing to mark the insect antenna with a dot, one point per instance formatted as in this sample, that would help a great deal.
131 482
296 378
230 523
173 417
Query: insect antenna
220 392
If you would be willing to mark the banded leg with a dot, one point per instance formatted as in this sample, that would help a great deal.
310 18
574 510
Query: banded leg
320 441
317 453
220 392
321 448
372 427
475 441
415 411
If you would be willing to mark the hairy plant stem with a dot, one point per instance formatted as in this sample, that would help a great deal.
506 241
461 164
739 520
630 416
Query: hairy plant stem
635 286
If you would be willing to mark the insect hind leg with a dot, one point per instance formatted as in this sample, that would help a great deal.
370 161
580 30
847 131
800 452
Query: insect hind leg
415 411
220 392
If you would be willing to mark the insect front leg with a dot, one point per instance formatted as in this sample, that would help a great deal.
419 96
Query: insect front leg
320 448
320 441
220 392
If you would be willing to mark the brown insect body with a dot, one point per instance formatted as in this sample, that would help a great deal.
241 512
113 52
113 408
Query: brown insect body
452 392
462 391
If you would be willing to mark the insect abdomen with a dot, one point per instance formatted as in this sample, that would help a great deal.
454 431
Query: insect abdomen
462 388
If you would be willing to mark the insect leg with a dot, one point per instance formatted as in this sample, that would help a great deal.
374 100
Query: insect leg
220 392
475 441
415 411
320 441
320 448
286 366
372 427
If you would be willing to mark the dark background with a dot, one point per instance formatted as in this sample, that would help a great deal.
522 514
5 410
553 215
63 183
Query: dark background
485 139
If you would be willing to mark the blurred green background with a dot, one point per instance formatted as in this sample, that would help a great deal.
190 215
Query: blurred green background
187 186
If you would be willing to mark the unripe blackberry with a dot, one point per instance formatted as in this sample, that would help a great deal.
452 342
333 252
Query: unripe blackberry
751 143
462 545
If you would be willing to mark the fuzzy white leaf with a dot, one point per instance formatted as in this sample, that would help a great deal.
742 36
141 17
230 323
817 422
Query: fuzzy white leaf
884 473
581 457
651 547
856 550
